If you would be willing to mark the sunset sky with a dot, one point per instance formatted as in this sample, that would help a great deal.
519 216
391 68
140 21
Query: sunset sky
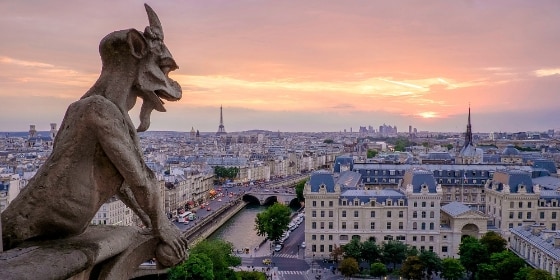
296 65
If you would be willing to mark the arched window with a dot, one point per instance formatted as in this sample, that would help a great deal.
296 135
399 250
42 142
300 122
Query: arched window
423 226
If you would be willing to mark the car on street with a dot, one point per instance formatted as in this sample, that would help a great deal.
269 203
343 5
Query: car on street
278 247
266 261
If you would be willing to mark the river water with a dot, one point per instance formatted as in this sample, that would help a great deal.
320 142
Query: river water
240 229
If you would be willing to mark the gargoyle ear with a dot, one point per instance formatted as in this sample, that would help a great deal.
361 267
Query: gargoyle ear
137 43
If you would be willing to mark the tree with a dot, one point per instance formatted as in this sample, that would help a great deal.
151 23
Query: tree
394 252
226 172
449 147
472 253
371 153
220 254
452 269
378 269
523 273
494 242
251 275
336 253
507 264
348 267
353 249
431 262
197 266
539 274
370 252
273 221
299 190
412 268
486 272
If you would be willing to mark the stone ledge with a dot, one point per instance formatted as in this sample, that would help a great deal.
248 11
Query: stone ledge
104 252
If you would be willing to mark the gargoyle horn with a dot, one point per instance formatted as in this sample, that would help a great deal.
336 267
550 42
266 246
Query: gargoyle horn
155 24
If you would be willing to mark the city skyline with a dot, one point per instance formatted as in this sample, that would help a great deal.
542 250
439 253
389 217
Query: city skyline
301 65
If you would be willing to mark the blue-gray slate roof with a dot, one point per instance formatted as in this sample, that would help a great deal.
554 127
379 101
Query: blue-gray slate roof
513 178
377 195
343 160
321 177
455 208
539 241
418 178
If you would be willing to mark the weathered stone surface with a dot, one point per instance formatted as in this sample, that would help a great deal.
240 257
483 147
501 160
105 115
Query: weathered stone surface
96 155
100 250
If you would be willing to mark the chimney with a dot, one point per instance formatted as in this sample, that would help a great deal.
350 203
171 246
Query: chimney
556 241
536 229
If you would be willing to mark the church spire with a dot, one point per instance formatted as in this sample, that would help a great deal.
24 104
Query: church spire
468 135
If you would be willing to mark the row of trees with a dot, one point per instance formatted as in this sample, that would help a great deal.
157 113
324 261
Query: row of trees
273 221
225 173
484 259
209 260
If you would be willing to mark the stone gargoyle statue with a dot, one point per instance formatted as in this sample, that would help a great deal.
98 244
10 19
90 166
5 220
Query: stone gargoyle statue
97 153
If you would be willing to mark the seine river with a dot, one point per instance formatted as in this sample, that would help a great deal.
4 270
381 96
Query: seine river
240 229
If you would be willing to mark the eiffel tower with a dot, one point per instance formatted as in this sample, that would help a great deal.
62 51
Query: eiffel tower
221 128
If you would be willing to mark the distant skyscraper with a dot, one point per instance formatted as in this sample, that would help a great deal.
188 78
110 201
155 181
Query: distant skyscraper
221 128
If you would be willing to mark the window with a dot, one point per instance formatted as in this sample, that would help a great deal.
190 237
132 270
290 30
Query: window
344 237
444 249
314 203
401 226
423 203
529 204
414 238
322 203
554 215
356 214
423 214
322 225
313 213
330 225
432 204
313 248
330 204
372 225
510 225
314 225
388 225
401 237
520 215
520 204
415 214
511 204
322 237
321 248
330 214
322 214
401 214
431 239
414 226
344 213
423 226
343 225
388 214
422 238
330 237
431 226
313 237
356 225
528 215
415 204
511 215
432 214
372 214
431 248
553 226
541 215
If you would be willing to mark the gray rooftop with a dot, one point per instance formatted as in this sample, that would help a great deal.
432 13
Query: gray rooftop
455 208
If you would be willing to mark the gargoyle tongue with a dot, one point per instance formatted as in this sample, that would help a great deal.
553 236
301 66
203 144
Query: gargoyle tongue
145 113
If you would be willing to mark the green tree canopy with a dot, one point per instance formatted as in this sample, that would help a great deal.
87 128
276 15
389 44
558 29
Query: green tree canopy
348 267
472 253
251 275
299 190
486 272
452 269
273 221
494 242
220 254
196 267
431 262
507 264
412 268
371 153
378 269
370 252
337 253
539 274
226 172
353 249
394 252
